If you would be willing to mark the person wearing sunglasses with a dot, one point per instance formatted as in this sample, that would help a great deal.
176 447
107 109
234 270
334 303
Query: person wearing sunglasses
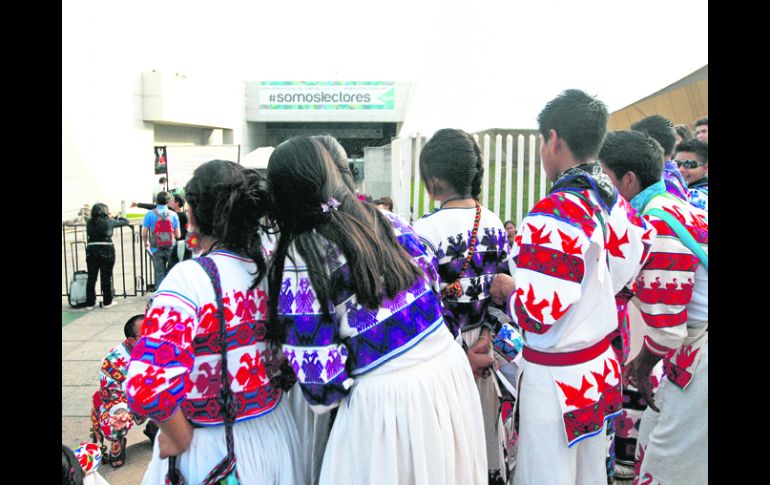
692 158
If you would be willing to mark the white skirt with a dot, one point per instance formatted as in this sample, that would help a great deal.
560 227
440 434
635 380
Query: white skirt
266 451
414 420
313 433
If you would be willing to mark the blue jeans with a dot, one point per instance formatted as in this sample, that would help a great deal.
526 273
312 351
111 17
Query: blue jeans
160 261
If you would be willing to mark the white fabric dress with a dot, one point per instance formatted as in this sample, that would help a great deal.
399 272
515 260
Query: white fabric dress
413 420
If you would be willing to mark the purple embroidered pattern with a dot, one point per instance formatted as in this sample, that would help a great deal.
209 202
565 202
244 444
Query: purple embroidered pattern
334 365
359 317
305 297
398 302
286 298
312 367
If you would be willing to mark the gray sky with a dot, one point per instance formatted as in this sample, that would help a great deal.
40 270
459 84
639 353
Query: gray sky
478 64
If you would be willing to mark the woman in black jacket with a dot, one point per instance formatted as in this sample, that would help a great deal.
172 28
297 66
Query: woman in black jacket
100 253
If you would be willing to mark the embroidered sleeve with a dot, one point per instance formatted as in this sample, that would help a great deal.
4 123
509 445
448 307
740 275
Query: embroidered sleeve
313 346
158 375
549 257
664 289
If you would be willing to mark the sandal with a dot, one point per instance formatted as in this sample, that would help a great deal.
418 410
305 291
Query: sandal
118 453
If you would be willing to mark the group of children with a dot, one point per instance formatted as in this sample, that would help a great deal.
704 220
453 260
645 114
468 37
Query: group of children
320 339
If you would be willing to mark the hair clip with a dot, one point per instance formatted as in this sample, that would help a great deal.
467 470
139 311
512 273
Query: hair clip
330 204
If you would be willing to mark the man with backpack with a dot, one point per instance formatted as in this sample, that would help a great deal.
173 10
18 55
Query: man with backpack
673 295
160 230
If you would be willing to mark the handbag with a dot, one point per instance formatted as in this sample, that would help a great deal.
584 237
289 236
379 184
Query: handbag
455 289
225 472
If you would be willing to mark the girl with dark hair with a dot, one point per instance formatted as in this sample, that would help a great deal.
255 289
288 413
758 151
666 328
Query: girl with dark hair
469 247
214 412
354 303
100 253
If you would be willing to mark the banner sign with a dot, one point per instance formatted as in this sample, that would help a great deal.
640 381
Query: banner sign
316 95
160 160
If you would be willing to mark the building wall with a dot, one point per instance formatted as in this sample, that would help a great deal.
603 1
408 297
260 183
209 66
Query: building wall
107 153
683 105
377 171
109 127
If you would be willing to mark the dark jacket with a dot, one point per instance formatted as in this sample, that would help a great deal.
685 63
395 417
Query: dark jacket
101 229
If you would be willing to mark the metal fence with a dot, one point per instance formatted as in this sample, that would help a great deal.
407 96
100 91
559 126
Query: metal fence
133 273
516 183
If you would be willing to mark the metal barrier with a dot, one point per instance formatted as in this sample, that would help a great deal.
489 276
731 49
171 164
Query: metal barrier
133 265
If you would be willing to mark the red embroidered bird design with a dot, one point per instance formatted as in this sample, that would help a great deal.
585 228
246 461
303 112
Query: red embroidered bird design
574 397
686 357
569 244
537 234
615 368
556 309
601 379
699 221
613 245
535 309
676 212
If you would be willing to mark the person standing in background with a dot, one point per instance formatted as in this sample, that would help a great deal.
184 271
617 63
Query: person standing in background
100 253
160 230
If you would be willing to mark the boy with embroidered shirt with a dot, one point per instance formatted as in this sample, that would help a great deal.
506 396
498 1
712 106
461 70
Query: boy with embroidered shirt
110 417
575 250
673 293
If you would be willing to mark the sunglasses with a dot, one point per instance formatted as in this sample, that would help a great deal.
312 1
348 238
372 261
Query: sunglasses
688 163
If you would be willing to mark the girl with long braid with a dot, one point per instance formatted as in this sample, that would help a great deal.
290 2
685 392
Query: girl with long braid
469 246
354 305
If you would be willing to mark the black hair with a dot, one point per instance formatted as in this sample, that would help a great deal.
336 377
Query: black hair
702 121
661 129
228 202
633 151
386 201
162 180
579 119
683 132
128 328
452 156
340 158
161 198
509 222
71 471
301 176
99 211
179 200
698 147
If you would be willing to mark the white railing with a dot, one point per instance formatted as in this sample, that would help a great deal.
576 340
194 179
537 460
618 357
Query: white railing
504 197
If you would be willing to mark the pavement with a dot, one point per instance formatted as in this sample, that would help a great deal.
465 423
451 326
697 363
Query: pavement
87 336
